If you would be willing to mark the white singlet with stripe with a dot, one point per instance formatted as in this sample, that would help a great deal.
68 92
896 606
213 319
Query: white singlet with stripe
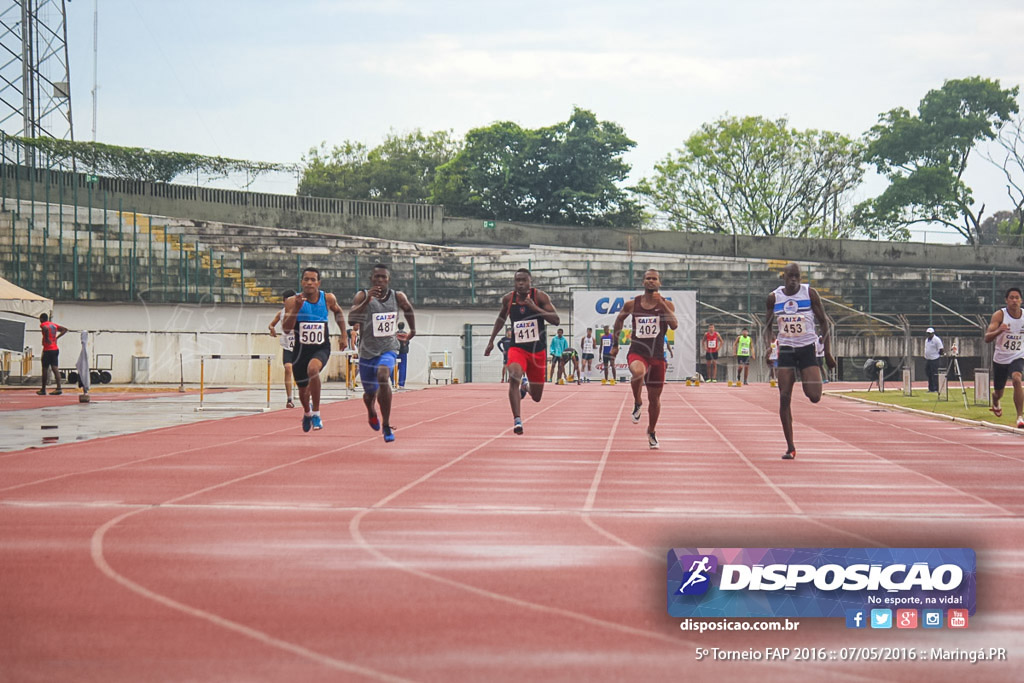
794 317
1009 344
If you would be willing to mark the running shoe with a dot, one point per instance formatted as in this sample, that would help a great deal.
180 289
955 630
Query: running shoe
374 423
389 436
41 392
317 424
524 387
790 454
652 441
289 404
517 425
636 412
56 392
1020 423
307 422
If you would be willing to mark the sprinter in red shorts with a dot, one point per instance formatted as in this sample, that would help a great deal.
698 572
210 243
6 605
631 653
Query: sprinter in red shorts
652 315
528 309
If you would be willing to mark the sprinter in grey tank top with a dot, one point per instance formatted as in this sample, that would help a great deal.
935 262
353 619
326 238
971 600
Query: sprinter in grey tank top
375 310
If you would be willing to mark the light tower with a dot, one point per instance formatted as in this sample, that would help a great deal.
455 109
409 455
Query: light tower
35 78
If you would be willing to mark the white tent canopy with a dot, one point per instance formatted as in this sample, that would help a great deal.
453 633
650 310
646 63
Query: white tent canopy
14 299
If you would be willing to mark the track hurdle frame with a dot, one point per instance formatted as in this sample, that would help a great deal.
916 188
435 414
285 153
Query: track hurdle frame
232 356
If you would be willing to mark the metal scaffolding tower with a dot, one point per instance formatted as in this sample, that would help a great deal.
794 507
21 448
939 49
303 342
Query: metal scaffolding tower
35 78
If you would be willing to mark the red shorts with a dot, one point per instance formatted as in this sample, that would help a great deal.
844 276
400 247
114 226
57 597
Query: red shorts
533 364
654 368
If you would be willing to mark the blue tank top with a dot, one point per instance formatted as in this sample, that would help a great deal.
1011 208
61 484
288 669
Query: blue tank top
311 323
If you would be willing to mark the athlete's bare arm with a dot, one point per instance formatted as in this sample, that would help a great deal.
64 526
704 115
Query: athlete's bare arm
291 312
543 306
765 333
500 322
627 310
410 314
339 318
996 326
823 324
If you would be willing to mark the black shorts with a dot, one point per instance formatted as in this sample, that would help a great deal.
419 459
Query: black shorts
588 356
304 354
743 360
1002 372
287 356
607 359
50 358
798 357
711 355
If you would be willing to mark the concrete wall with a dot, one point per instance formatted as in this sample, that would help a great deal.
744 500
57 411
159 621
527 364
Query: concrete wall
425 223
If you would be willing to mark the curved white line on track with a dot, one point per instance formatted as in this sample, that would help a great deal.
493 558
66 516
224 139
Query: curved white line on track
99 560
357 536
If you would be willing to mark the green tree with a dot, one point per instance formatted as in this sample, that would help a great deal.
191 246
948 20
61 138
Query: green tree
757 176
400 169
565 174
924 157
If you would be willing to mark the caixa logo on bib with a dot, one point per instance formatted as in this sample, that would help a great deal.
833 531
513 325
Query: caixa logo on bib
817 582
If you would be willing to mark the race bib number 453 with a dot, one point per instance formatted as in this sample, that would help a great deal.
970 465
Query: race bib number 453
791 325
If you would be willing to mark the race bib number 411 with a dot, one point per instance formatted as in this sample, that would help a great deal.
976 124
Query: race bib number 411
526 331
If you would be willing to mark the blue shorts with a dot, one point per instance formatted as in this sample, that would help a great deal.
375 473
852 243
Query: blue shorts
368 370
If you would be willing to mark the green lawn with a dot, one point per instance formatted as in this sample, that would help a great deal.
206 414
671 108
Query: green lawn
922 400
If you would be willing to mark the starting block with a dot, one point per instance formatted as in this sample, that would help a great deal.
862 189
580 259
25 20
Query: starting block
773 383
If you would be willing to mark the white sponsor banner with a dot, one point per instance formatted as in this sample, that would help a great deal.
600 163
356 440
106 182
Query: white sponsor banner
596 309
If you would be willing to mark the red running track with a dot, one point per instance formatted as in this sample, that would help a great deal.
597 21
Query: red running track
244 550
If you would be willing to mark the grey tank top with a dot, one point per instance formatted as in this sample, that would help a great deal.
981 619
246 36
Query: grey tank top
380 325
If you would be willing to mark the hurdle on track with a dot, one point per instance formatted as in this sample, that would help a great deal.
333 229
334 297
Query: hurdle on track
240 356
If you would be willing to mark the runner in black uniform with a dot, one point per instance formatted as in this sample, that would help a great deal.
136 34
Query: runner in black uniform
529 309
306 316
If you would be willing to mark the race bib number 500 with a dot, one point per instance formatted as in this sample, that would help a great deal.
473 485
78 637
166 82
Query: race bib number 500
312 333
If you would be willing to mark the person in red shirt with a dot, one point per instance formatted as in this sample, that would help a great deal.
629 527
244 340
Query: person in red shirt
652 316
712 343
51 333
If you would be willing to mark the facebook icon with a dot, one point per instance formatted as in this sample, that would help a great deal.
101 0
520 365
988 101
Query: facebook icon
856 618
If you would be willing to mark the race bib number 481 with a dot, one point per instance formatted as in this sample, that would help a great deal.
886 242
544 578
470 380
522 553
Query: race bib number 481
384 324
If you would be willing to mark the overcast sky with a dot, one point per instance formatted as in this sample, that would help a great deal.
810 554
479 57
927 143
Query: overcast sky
267 80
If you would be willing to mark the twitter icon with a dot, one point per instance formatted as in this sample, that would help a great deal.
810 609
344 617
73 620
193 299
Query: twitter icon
881 618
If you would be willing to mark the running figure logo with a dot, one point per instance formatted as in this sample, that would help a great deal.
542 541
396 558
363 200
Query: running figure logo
700 566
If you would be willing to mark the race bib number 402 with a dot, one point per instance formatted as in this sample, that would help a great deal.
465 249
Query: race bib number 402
647 327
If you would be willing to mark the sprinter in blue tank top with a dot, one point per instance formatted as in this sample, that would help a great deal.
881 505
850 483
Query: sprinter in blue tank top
306 315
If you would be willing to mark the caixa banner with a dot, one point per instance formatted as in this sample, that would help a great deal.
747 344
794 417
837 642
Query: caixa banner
817 582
